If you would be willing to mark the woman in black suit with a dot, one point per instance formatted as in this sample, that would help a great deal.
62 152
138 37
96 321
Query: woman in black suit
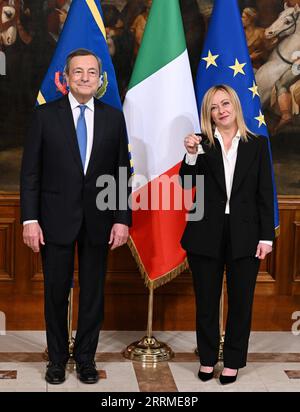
236 231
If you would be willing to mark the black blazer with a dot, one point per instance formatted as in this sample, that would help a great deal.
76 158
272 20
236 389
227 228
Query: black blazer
251 201
54 189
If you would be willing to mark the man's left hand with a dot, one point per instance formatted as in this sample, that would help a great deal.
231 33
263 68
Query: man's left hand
118 235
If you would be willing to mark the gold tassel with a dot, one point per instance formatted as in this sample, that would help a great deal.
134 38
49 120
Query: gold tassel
163 279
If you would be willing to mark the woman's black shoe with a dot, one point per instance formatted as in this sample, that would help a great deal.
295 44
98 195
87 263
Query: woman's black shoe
204 376
224 380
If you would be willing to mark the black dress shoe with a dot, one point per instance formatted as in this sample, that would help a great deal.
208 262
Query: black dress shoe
205 376
224 380
87 372
56 373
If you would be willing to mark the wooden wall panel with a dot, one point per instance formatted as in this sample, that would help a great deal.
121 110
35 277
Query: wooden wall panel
296 266
21 282
7 248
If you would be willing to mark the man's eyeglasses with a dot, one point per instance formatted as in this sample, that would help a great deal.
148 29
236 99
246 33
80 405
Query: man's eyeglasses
91 73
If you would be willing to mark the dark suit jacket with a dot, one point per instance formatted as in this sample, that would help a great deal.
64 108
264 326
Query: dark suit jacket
251 201
54 189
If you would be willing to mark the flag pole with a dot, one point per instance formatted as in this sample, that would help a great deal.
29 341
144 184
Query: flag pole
70 319
149 349
221 322
150 313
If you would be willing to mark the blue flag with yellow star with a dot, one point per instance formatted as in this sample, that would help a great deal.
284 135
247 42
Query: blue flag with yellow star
225 60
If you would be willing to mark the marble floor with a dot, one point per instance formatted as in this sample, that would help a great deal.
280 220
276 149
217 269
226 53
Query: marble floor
273 365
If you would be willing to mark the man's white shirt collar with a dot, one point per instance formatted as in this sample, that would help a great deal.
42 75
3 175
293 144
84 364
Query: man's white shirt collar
74 103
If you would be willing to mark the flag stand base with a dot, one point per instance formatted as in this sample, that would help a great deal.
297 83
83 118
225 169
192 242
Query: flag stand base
148 350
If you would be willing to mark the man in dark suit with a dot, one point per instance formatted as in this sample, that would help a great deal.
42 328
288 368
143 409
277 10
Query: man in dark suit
71 143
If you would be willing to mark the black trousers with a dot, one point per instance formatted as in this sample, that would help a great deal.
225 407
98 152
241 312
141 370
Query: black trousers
58 268
241 277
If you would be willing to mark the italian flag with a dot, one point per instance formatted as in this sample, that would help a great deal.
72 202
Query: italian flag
160 110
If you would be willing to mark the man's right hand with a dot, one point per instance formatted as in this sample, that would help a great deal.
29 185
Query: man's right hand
191 143
33 236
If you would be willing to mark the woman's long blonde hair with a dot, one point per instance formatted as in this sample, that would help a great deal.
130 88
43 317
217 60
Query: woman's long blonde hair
207 125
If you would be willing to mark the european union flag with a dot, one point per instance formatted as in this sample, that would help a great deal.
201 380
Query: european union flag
225 60
83 28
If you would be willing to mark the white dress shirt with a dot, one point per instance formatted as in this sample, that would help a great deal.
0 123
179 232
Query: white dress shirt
229 161
89 120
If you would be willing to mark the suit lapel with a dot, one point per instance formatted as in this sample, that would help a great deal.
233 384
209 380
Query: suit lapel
67 122
99 132
245 156
215 162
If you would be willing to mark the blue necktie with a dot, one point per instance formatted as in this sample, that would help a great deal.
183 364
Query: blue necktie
82 134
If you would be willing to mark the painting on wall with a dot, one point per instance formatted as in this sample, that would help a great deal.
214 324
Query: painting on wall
272 30
28 35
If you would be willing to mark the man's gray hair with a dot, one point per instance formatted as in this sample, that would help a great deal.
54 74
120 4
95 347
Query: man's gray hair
81 52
